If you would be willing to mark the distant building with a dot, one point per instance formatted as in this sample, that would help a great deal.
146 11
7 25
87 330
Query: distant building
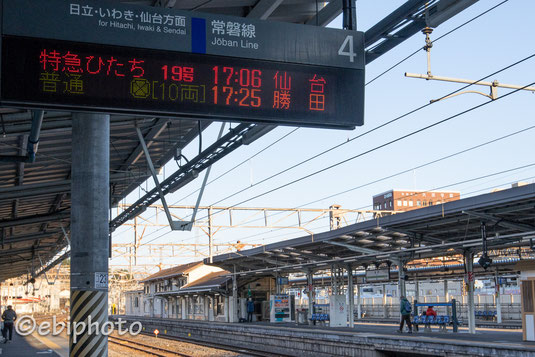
160 289
407 200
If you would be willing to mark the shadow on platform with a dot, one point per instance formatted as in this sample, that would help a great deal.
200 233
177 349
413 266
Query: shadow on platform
23 346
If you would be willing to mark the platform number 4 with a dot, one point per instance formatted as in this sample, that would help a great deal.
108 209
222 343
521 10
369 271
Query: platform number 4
347 49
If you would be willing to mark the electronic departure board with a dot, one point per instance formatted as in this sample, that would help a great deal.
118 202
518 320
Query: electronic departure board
197 77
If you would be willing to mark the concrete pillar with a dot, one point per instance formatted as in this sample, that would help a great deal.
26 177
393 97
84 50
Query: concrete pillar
417 290
227 309
90 230
351 296
310 295
206 308
469 263
498 300
359 303
235 316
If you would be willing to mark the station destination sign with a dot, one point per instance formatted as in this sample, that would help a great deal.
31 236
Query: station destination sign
121 58
377 275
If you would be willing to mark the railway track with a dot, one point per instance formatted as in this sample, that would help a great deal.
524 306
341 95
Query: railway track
247 351
142 347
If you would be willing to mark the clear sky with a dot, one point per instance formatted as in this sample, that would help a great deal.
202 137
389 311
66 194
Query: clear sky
488 44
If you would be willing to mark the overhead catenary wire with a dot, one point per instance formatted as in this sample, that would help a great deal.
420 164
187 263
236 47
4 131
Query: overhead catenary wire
429 190
530 165
384 178
388 143
376 128
382 145
368 132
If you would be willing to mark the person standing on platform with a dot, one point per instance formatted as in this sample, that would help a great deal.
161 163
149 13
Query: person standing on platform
9 316
250 310
405 309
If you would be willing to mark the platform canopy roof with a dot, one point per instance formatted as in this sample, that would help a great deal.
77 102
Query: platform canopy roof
35 197
446 229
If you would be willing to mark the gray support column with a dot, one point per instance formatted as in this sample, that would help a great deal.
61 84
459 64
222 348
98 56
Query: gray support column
359 303
351 296
469 262
310 295
235 316
498 301
402 290
89 231
417 290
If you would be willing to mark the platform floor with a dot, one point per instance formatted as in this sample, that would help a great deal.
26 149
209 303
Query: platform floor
23 346
482 336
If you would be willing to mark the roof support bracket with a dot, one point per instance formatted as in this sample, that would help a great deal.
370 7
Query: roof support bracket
189 225
175 225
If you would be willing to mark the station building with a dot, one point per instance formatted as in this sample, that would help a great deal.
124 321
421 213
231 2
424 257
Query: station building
407 200
196 291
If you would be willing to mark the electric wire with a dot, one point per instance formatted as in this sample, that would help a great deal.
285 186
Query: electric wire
530 165
377 147
369 131
388 143
376 128
428 103
399 173
429 190
365 133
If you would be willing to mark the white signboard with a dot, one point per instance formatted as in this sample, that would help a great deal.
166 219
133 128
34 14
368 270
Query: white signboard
101 281
377 275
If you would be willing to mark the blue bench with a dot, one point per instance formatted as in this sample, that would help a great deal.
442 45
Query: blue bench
487 315
441 320
319 317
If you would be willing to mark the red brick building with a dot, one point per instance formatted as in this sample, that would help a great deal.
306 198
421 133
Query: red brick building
406 200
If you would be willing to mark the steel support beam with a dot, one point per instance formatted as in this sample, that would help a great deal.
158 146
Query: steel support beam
501 222
406 21
383 27
355 248
153 133
263 9
29 237
40 218
90 230
228 143
327 14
